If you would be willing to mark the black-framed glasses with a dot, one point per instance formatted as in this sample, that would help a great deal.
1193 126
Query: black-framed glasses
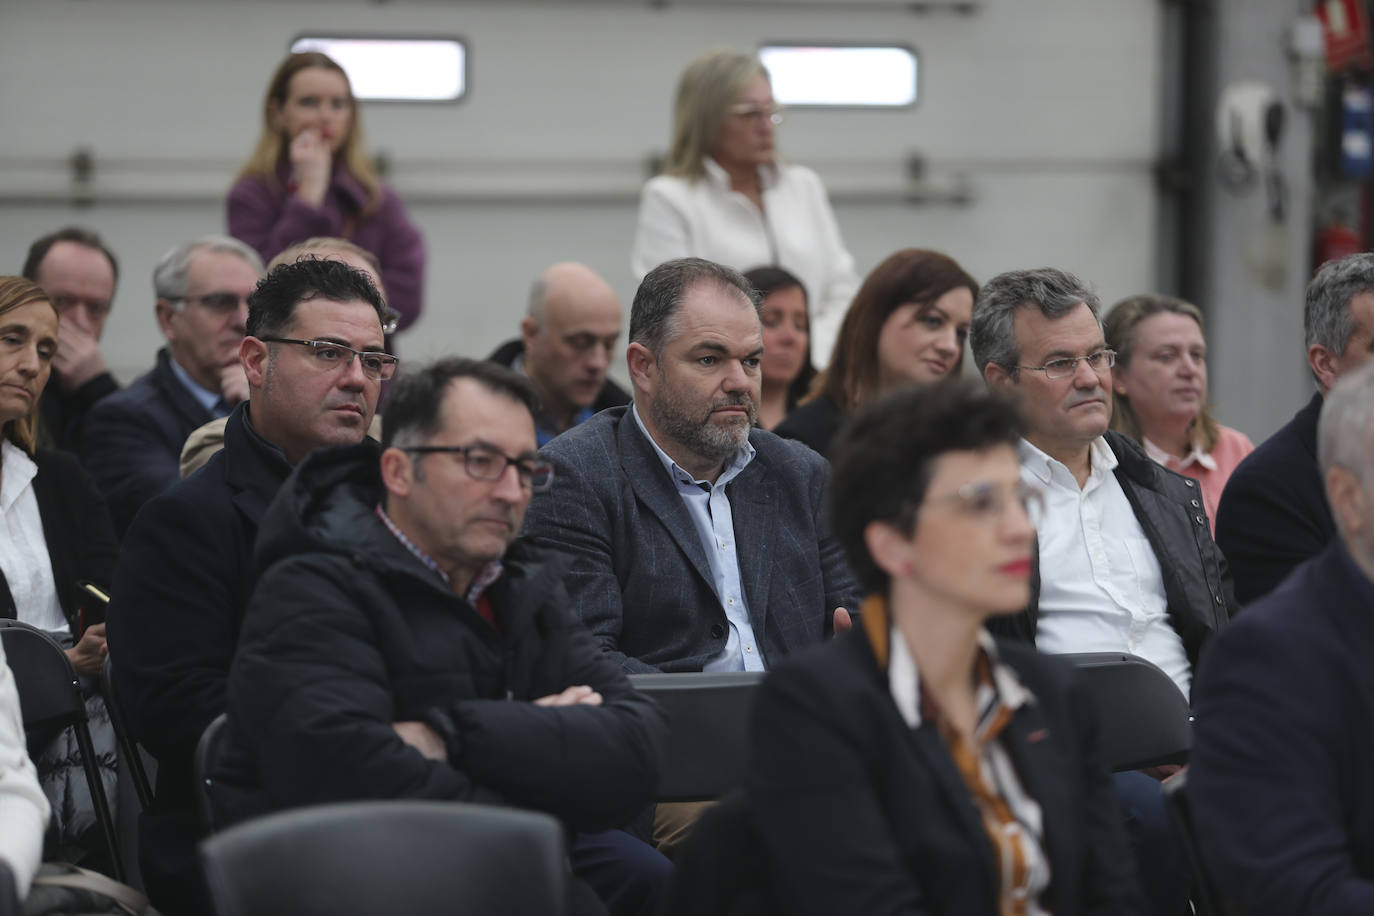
1068 365
482 462
221 303
329 356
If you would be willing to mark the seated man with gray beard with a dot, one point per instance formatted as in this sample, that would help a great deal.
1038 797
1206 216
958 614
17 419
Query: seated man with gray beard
699 542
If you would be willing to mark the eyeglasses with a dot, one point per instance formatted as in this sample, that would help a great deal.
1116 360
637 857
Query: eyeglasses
749 111
329 356
220 303
482 462
988 502
1068 365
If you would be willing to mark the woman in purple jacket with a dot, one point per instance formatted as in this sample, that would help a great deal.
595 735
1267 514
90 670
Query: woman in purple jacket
309 177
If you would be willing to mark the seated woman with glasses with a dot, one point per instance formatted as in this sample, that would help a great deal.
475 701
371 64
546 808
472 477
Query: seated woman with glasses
57 553
907 323
1160 388
724 194
310 176
916 764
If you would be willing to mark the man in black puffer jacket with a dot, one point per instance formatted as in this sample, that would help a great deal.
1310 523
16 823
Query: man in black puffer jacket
393 648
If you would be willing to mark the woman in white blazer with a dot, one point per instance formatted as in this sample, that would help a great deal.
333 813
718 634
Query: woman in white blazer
725 195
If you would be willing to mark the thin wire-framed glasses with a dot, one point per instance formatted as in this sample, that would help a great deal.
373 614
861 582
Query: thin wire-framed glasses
1068 365
330 355
988 502
483 462
748 110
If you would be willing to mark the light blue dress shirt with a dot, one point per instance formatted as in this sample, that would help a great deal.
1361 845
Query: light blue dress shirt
709 508
210 400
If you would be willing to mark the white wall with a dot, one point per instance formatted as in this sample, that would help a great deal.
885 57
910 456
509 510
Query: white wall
1048 107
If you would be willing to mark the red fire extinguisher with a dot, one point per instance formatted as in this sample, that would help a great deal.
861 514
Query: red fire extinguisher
1336 240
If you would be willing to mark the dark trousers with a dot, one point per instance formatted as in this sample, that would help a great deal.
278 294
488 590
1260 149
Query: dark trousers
1159 856
629 875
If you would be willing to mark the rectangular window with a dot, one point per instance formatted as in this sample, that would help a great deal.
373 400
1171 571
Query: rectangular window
396 69
841 76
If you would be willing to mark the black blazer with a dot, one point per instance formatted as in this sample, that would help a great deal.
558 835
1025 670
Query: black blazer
132 439
861 814
81 541
1280 772
1273 513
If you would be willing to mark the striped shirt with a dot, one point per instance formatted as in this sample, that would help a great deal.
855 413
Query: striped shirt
1011 817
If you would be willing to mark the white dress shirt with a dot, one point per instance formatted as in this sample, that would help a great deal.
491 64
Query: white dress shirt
680 218
1101 588
23 806
24 556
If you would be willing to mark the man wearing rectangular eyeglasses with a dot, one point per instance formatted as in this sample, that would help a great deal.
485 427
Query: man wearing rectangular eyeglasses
132 439
397 647
314 362
1126 561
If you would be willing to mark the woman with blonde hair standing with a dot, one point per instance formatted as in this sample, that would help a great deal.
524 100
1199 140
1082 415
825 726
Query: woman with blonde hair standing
725 195
1160 388
309 176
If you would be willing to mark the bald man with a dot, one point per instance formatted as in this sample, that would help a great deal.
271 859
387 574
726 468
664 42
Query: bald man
565 347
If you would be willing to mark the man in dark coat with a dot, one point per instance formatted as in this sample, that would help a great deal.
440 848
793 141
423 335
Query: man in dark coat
315 364
79 272
133 438
699 542
1273 513
394 647
565 347
1279 777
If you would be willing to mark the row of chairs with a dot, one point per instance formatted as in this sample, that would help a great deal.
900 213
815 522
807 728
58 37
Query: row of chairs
1144 722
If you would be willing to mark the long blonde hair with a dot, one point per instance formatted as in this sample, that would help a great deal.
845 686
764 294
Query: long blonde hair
707 89
262 164
16 292
1119 329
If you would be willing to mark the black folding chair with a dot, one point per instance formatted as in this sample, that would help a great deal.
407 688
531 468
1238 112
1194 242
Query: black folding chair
50 700
208 750
1206 900
421 858
708 731
128 748
1145 717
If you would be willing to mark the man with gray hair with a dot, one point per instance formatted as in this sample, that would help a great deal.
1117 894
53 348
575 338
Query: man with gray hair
1125 559
1285 707
132 439
565 347
698 541
1273 513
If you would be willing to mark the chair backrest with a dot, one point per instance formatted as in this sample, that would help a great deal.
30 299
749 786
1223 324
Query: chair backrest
49 700
130 756
1206 901
708 731
1145 717
421 858
208 752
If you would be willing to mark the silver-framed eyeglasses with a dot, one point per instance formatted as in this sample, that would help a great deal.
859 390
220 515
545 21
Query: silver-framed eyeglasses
775 113
988 502
1067 365
330 355
483 462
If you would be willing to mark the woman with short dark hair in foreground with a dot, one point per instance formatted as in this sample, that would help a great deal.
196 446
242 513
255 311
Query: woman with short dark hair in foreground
915 764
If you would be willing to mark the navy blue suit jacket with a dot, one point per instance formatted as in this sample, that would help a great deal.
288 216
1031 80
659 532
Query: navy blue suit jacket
1281 771
132 440
640 579
1273 512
